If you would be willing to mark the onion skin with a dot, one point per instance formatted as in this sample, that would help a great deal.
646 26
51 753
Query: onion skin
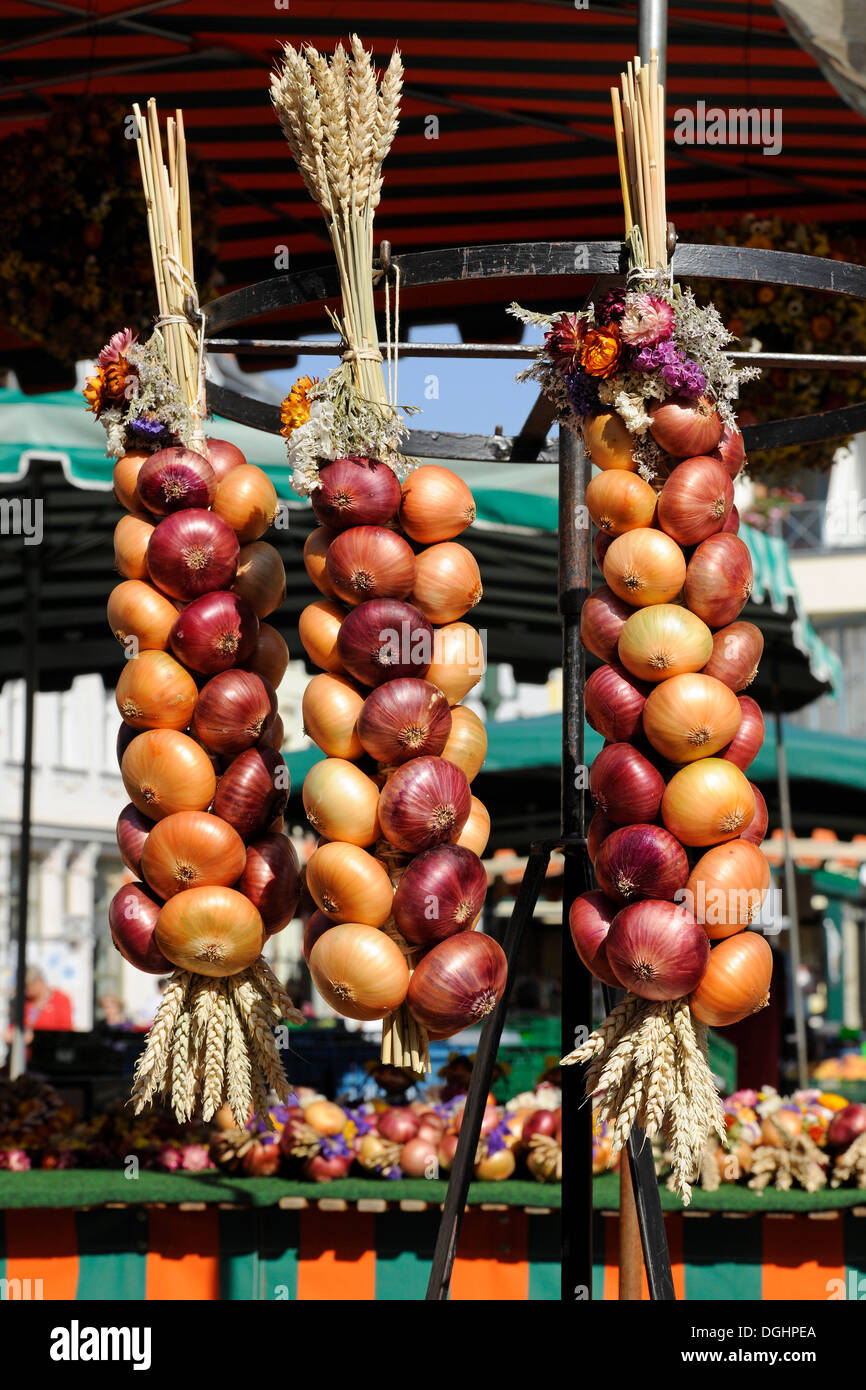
708 802
614 703
270 655
746 743
272 880
341 802
663 641
732 525
618 501
260 578
247 500
685 428
440 893
756 832
155 692
459 660
589 920
608 442
131 537
315 559
726 888
191 553
253 791
641 861
124 478
191 849
356 491
730 450
602 619
331 707
359 971
601 544
132 918
215 632
139 614
174 478
315 927
447 582
132 831
644 566
234 710
384 639
458 983
165 771
348 885
223 457
367 562
695 501
210 931
625 785
476 832
737 650
466 745
599 828
436 505
399 1125
657 950
691 716
402 719
737 981
426 802
418 1158
319 628
846 1126
719 579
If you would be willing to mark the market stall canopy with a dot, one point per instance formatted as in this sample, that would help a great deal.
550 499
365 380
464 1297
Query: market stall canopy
505 135
52 451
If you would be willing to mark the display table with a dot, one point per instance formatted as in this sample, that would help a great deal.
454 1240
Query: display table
98 1235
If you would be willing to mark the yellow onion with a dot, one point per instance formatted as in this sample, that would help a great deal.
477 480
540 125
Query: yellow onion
125 478
349 885
458 660
315 559
727 886
165 771
359 971
736 982
155 692
247 499
330 710
447 582
644 566
664 640
436 505
690 716
131 536
619 501
466 744
211 931
707 802
476 830
609 443
318 628
140 616
342 802
192 849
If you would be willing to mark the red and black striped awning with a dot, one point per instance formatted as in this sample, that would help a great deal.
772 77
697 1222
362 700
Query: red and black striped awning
519 90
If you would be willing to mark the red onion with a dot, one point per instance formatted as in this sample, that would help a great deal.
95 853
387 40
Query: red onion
614 702
132 830
732 525
132 917
426 802
399 1124
731 450
541 1121
599 828
223 457
272 880
125 734
602 619
418 1158
755 832
175 478
233 711
625 785
315 927
458 983
641 861
685 428
192 552
589 919
385 639
370 562
746 743
263 1159
404 719
322 1169
657 950
253 791
600 546
695 500
356 492
489 1118
737 649
215 632
719 579
846 1126
441 892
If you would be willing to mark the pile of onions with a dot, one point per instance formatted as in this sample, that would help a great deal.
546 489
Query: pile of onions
198 698
395 661
675 838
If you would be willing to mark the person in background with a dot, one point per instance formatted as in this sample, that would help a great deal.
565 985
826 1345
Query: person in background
45 1007
113 1012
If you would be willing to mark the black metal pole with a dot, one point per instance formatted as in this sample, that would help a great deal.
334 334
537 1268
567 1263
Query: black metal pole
575 570
479 1085
30 638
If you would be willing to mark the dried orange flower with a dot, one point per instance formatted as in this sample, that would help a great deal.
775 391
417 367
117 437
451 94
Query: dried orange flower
295 409
601 351
94 392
